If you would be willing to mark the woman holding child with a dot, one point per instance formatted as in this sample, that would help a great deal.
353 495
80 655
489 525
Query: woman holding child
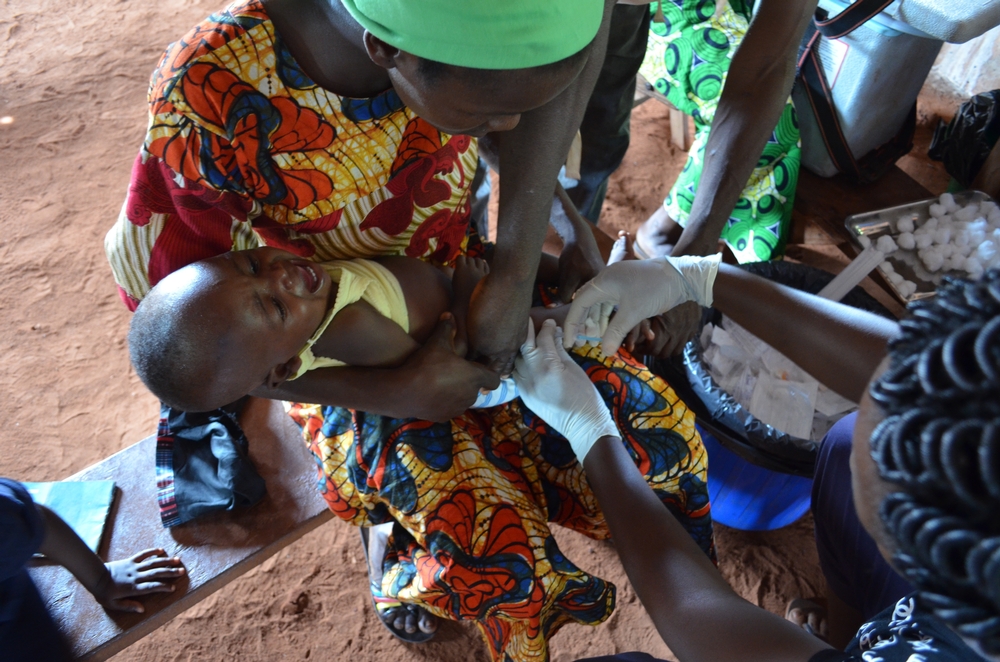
338 130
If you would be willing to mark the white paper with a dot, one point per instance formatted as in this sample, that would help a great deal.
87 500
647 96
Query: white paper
785 405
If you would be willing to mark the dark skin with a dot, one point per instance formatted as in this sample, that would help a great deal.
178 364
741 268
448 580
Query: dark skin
114 585
695 611
538 114
258 308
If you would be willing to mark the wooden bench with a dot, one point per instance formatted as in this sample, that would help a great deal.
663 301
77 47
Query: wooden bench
215 549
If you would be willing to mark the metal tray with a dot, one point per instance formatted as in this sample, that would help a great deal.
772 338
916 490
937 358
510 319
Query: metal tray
874 224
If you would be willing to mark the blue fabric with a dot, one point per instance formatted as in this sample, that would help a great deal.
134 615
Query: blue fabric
27 632
851 562
21 528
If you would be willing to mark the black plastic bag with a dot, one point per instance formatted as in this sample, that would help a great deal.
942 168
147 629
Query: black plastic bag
724 418
964 144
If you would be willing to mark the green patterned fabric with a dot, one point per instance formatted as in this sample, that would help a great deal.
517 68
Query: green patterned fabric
687 59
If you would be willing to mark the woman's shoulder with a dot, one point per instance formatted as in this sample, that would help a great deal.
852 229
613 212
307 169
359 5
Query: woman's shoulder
243 24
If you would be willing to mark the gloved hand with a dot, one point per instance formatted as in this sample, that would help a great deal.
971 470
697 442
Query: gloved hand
640 289
559 391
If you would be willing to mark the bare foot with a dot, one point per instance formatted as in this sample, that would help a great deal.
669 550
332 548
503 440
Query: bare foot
622 249
809 616
657 236
469 271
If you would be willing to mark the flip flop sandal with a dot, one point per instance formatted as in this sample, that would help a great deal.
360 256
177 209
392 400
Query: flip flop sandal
804 605
382 603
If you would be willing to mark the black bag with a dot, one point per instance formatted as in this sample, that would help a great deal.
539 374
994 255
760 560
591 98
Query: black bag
724 418
964 144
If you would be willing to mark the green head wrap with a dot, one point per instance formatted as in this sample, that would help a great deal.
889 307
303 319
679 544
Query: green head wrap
483 34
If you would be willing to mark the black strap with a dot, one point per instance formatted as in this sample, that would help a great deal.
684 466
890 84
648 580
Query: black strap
875 163
851 18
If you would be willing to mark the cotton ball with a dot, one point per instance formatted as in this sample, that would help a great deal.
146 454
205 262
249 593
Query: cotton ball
977 237
966 213
948 250
973 266
905 224
906 241
964 250
986 252
979 224
942 236
933 260
895 278
937 211
865 242
886 244
886 266
907 288
986 207
953 263
961 238
924 240
947 200
931 224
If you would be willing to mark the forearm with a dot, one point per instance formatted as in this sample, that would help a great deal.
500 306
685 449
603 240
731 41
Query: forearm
838 345
530 157
757 86
695 611
380 391
63 546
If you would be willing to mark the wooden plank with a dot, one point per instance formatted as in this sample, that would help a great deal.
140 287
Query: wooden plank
216 549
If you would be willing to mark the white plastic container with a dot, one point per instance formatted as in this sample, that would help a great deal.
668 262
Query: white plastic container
876 72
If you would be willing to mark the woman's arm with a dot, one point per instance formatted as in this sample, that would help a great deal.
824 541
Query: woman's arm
839 345
530 156
757 86
432 384
698 615
693 608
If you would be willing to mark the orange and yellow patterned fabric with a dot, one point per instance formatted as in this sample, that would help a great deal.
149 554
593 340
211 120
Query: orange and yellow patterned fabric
243 149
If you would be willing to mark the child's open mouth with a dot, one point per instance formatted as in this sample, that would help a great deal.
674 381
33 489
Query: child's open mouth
310 277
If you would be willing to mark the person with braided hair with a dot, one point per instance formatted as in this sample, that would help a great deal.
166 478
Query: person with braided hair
920 542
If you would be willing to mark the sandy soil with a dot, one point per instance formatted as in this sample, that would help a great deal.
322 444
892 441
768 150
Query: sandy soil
73 77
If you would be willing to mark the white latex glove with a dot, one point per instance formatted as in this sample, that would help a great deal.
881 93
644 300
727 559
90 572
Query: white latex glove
640 289
559 391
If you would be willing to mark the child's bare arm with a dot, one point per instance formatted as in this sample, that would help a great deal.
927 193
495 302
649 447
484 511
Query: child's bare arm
112 584
359 336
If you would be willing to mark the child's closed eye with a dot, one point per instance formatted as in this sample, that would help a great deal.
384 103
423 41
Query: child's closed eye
280 306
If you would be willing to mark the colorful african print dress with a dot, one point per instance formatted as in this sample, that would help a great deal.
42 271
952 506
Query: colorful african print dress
243 149
691 44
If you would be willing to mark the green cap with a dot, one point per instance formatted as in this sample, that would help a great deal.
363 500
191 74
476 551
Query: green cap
483 34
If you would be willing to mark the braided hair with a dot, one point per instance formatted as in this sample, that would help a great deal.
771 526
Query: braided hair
940 445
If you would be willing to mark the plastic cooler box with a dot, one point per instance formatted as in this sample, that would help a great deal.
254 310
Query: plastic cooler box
876 72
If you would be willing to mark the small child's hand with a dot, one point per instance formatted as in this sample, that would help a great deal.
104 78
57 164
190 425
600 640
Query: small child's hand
149 571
